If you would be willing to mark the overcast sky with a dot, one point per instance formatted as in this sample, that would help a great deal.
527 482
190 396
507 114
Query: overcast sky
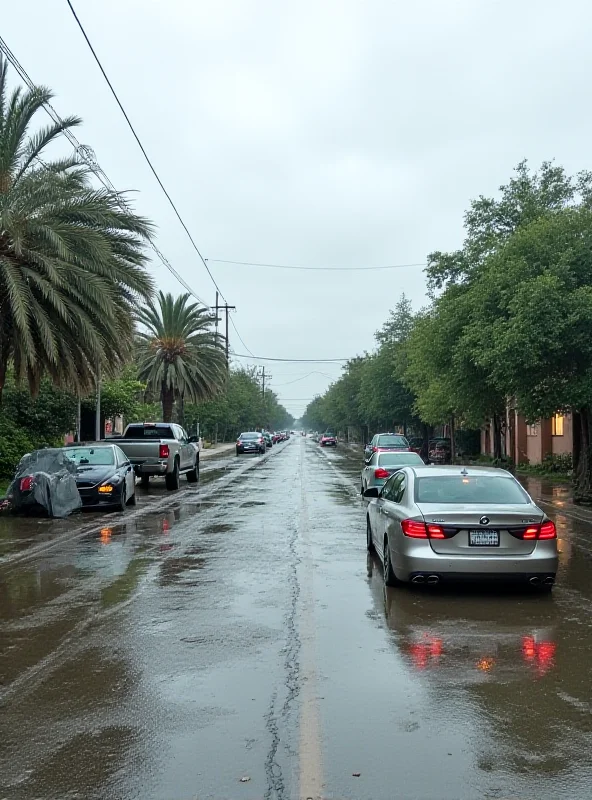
341 134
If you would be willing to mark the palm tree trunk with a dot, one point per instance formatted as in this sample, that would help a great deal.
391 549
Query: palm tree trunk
167 396
181 410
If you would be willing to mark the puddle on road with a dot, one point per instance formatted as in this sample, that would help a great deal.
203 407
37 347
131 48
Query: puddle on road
124 586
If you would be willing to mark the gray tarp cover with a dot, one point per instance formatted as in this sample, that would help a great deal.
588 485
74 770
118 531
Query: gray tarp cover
54 481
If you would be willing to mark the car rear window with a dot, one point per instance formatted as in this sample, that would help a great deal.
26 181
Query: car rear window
486 489
398 459
149 432
95 456
250 435
392 441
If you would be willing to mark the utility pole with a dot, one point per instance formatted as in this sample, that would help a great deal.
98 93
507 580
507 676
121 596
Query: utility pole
226 308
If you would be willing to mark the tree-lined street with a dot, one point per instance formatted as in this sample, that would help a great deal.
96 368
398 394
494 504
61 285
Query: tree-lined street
239 631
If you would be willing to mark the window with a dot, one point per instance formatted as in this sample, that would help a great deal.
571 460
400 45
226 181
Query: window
480 489
557 425
396 487
532 430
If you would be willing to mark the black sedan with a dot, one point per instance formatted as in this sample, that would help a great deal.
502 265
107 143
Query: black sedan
104 475
250 442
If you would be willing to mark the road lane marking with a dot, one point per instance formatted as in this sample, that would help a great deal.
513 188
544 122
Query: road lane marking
310 749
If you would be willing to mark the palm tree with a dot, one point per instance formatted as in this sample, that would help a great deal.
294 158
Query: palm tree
71 256
179 355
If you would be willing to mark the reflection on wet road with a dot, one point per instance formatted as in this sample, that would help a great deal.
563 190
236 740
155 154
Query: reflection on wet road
239 630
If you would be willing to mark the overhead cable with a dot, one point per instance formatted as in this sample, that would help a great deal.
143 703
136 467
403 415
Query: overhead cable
313 269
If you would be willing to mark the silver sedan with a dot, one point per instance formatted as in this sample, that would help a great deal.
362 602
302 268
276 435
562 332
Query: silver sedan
429 524
380 466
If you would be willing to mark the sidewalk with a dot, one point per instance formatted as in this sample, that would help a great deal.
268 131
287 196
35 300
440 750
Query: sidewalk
218 450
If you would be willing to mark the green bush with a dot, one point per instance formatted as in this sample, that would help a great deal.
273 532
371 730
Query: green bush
14 443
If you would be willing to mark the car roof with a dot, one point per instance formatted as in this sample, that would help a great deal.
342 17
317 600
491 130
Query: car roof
456 469
94 445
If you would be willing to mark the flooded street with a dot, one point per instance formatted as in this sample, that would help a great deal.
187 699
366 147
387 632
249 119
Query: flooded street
234 640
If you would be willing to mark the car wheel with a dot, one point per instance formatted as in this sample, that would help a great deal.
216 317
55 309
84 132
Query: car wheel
122 499
172 478
237 451
133 499
193 476
145 481
369 542
390 579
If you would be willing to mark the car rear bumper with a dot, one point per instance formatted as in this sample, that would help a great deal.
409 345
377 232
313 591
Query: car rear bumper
421 559
151 468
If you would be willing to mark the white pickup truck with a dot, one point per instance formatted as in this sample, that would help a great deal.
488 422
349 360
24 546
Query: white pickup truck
161 449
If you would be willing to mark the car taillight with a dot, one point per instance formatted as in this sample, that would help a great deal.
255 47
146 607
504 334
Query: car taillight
381 473
414 529
546 530
375 449
419 530
163 451
260 441
26 483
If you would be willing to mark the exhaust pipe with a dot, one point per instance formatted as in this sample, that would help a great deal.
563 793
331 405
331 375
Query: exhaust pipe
549 580
535 581
433 579
418 579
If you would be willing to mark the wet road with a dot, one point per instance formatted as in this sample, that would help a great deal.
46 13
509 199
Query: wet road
238 630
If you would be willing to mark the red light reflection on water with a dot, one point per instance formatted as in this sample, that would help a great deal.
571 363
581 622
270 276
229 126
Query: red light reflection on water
540 654
427 652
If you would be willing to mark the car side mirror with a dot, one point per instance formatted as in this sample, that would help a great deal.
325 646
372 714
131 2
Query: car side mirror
371 492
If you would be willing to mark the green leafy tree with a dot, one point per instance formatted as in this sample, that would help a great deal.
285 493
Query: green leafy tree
43 419
179 354
71 256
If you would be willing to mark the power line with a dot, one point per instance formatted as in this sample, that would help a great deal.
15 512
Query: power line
295 360
144 153
308 374
87 156
326 269
241 338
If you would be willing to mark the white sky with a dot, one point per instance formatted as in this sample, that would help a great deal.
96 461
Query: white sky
350 133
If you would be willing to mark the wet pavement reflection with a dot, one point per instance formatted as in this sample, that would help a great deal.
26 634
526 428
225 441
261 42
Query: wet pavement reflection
240 630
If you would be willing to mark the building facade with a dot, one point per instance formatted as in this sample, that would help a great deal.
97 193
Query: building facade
529 443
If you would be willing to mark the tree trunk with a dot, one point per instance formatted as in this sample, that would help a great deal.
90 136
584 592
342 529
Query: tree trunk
426 433
496 424
582 461
181 410
167 397
452 440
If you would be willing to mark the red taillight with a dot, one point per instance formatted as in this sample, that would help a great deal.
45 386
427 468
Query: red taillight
546 530
260 441
375 449
27 483
419 530
381 473
414 529
163 451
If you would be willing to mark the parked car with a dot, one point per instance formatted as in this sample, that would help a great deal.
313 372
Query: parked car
276 437
416 444
429 524
328 440
386 441
160 448
268 439
382 465
45 481
104 475
250 442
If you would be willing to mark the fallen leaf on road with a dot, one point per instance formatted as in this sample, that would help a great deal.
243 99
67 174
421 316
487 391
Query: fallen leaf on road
245 779
356 774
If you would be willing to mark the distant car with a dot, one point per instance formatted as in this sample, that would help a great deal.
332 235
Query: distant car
431 523
276 437
439 451
45 481
105 476
416 444
268 439
386 441
381 466
250 442
328 440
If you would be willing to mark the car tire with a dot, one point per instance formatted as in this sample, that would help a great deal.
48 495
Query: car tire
193 475
145 481
369 542
390 579
172 478
122 499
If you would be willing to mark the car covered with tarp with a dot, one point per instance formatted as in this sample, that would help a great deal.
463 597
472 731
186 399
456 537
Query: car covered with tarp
45 480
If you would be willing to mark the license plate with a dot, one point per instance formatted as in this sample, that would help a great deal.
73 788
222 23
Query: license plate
484 538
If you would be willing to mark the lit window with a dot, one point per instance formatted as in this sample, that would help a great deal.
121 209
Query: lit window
531 430
557 425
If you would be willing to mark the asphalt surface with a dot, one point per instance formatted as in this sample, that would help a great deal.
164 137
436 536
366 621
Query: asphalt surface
233 640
